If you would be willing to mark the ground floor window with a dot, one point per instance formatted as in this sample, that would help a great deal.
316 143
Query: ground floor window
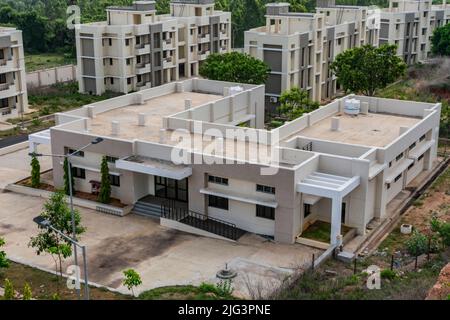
306 210
265 212
78 173
114 180
218 202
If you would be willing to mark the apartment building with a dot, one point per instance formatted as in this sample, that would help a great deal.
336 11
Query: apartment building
195 154
299 47
137 49
13 88
410 24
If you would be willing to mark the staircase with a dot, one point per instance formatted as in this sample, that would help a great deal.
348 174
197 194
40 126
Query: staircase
147 209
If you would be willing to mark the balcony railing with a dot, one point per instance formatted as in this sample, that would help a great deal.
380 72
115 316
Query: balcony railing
4 86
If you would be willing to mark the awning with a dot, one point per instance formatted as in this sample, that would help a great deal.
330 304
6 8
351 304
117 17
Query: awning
375 169
327 185
420 150
73 164
310 199
154 167
398 170
239 197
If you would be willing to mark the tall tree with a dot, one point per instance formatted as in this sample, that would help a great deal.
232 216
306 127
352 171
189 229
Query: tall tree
58 213
366 69
104 195
35 172
295 102
440 41
66 178
235 67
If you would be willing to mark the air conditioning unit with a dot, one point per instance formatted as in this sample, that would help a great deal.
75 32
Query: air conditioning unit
273 99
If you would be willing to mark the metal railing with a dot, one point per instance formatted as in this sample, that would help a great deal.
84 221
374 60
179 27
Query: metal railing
200 221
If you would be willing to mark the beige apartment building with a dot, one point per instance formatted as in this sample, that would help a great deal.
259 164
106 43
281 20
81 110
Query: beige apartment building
195 155
299 47
13 88
410 24
137 49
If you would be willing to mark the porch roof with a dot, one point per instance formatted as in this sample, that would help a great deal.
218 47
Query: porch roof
154 166
327 185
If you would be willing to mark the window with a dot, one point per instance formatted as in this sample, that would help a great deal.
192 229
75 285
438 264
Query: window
129 81
110 61
306 210
398 177
388 186
128 61
111 159
139 78
218 180
112 80
410 166
399 156
72 151
218 202
412 146
127 42
265 212
114 180
78 173
265 189
110 42
420 157
422 138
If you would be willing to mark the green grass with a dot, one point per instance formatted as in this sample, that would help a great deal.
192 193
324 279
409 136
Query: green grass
188 292
320 231
35 62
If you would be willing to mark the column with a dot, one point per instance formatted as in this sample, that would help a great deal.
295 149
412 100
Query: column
336 207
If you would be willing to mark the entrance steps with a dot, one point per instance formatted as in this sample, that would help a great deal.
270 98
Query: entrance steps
147 209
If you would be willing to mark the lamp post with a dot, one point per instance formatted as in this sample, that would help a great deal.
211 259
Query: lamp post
41 221
69 169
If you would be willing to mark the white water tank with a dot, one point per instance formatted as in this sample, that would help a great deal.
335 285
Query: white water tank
352 106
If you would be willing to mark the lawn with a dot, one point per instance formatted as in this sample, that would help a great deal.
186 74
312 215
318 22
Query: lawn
44 285
320 231
35 62
203 292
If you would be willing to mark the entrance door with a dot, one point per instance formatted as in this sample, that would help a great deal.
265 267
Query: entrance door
171 189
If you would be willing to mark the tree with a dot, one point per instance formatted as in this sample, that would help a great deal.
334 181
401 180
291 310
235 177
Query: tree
235 67
104 196
4 263
27 293
366 69
132 279
66 178
58 213
9 293
440 41
35 172
295 102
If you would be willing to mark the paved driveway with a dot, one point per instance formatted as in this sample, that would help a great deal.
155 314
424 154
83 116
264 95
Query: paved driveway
162 256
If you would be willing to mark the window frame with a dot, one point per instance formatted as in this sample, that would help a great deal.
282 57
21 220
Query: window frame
265 189
265 212
218 180
218 202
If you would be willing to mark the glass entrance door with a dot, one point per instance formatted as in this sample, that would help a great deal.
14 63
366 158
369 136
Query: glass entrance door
171 189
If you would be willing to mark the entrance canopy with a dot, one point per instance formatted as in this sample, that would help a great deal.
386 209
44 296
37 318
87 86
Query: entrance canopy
156 167
35 139
327 185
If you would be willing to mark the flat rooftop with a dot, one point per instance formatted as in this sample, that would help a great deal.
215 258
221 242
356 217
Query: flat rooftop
373 129
155 110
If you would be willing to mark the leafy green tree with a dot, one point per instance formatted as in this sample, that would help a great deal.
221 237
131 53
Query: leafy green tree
58 213
66 178
442 228
104 196
4 263
27 293
295 102
132 279
417 244
235 67
440 41
35 172
9 290
366 69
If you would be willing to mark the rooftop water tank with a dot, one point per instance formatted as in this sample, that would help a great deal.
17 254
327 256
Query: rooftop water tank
352 106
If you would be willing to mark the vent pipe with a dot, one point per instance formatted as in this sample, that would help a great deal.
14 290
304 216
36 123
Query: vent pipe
335 123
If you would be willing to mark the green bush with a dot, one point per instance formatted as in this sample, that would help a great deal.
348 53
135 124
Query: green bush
9 290
27 293
442 229
276 123
417 244
388 274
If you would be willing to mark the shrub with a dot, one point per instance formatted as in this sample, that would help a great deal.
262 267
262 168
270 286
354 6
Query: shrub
4 263
442 229
224 288
35 172
417 244
132 279
9 290
388 274
27 294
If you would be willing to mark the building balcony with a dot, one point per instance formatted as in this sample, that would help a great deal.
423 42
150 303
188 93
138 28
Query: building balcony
202 38
168 62
202 55
142 49
168 44
7 90
6 66
142 68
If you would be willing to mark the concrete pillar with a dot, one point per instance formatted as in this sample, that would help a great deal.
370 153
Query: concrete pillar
32 147
335 123
90 111
180 86
139 98
336 207
211 112
141 119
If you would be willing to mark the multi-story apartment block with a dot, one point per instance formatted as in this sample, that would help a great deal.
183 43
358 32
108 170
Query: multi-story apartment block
299 47
137 49
13 88
202 145
410 24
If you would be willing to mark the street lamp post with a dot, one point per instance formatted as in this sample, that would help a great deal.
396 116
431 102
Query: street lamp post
46 224
72 212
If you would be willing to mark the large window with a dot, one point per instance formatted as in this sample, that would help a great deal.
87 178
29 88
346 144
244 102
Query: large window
78 173
114 180
218 202
218 180
265 212
265 189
